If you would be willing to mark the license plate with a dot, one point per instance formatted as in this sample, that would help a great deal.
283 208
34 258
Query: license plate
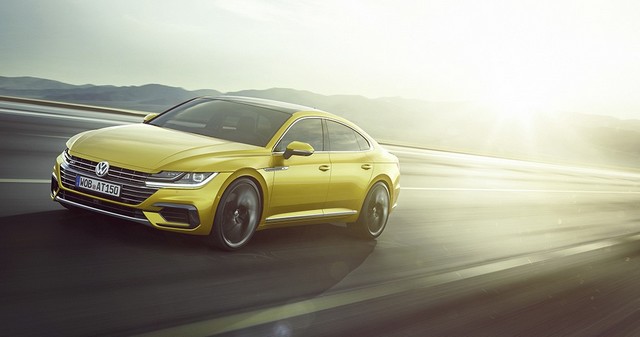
98 186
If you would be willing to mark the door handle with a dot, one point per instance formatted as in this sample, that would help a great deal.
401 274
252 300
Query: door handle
366 166
324 168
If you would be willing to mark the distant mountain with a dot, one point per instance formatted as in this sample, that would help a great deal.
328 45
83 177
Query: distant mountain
453 126
150 97
33 83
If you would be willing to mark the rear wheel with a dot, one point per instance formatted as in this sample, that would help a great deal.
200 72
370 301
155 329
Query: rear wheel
374 214
237 215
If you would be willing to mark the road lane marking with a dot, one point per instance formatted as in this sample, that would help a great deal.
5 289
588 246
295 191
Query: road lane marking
452 189
44 136
25 181
611 172
55 116
331 301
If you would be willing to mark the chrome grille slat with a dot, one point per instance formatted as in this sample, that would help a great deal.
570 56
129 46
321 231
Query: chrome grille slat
127 212
133 192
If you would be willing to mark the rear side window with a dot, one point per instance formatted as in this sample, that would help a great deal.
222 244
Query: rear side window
343 138
307 130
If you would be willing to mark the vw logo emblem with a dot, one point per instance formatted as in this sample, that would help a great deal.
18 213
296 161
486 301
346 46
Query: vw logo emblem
102 169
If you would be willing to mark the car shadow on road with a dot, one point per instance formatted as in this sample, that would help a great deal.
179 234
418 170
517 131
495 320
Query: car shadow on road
50 225
64 262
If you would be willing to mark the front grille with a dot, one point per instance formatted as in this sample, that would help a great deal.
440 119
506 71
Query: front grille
133 192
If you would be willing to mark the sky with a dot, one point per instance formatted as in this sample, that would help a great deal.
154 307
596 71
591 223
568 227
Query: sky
560 55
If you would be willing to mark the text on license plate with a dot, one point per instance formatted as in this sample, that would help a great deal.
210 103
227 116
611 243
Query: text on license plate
98 186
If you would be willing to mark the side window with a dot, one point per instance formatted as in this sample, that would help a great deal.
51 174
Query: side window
363 142
307 130
343 138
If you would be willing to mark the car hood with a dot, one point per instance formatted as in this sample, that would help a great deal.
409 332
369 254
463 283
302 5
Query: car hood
150 148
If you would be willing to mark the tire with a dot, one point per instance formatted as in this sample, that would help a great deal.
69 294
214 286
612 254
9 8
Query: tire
237 215
374 214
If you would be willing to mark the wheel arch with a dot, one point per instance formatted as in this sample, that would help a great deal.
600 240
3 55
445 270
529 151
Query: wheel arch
386 180
383 178
360 227
253 175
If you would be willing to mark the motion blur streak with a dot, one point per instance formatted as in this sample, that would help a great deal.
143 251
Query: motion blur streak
476 246
50 116
513 190
507 163
324 302
25 181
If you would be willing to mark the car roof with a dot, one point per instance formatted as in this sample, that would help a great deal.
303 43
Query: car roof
289 108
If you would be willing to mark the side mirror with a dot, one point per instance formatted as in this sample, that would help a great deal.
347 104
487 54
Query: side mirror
149 117
296 148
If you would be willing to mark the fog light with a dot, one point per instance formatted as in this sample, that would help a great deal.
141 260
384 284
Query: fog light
177 213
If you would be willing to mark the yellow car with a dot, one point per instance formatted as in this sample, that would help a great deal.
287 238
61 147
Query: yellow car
228 166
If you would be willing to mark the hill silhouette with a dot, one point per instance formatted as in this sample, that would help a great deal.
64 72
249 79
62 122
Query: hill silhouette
453 126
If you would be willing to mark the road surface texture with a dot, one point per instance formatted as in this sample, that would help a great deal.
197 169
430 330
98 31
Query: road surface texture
477 247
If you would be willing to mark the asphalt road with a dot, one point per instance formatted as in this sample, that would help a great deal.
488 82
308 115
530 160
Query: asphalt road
477 247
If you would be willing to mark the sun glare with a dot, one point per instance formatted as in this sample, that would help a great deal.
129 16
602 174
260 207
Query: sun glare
515 113
515 104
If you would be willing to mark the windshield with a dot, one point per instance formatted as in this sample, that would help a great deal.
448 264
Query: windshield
232 121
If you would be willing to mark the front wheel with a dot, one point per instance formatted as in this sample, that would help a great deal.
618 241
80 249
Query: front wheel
237 215
374 214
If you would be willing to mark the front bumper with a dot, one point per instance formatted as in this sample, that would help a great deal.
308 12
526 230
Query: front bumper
188 211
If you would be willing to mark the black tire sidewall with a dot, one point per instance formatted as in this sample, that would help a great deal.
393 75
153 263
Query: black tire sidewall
361 227
217 231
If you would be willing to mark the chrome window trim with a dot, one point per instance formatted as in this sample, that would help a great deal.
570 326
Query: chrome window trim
352 129
369 141
273 150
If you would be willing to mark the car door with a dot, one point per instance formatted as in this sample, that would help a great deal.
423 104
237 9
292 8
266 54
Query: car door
351 168
300 183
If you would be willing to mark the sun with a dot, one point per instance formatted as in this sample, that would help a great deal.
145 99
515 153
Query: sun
510 104
516 117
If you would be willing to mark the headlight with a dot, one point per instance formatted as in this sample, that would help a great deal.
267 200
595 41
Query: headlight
180 179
